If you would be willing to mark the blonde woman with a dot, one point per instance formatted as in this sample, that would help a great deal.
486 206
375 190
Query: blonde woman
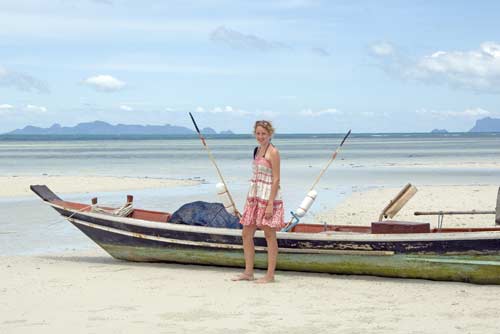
263 207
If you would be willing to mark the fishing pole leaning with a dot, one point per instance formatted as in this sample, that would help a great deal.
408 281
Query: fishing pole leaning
312 194
222 189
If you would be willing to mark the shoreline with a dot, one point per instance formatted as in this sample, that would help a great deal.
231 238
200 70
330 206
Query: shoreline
18 186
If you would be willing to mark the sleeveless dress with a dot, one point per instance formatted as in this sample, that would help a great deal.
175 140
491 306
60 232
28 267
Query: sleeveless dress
258 196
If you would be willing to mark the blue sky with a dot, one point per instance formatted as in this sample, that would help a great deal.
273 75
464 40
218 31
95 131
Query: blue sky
307 65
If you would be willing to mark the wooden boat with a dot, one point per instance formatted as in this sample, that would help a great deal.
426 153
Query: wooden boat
389 248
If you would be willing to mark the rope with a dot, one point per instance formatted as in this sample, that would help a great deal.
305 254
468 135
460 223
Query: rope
123 211
67 218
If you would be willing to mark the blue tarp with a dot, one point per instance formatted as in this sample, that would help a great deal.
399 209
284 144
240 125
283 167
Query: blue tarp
205 214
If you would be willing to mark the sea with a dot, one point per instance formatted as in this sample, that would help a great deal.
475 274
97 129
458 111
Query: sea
365 161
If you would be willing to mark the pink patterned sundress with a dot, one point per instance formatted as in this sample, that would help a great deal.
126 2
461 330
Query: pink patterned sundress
258 196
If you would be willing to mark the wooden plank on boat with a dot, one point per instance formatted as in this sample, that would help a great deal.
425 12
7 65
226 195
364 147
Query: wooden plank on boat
336 251
44 193
456 261
391 226
397 203
447 213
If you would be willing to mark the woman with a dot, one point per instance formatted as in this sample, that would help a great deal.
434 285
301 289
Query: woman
263 207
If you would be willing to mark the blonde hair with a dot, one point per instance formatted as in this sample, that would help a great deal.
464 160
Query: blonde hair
267 125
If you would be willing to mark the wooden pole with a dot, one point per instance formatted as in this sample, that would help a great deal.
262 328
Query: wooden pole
439 213
212 159
330 161
291 223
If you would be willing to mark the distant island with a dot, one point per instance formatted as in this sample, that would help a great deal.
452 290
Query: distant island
103 128
487 124
439 131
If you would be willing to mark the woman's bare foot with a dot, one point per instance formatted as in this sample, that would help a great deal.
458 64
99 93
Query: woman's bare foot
265 279
243 277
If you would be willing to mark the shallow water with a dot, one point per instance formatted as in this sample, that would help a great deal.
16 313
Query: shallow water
29 226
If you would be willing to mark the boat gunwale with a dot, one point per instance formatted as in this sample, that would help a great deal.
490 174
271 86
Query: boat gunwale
358 237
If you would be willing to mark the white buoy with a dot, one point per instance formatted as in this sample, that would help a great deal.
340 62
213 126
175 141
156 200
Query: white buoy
306 203
224 198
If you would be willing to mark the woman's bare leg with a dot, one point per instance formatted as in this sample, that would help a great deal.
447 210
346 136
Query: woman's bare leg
249 252
272 254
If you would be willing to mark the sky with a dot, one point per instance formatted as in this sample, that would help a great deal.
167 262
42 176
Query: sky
309 66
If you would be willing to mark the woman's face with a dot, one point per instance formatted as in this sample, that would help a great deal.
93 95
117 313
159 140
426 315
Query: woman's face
262 135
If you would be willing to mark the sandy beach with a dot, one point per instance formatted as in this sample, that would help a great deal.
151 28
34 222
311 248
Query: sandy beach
90 292
13 186
93 293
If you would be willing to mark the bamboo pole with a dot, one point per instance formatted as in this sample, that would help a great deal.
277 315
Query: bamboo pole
212 159
291 224
330 161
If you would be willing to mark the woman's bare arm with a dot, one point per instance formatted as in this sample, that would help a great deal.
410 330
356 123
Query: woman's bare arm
274 158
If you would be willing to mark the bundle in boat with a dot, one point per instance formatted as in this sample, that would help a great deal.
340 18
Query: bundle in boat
201 213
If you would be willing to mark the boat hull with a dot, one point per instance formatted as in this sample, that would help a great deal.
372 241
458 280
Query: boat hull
471 255
461 267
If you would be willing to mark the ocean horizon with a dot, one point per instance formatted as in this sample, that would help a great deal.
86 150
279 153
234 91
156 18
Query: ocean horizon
50 137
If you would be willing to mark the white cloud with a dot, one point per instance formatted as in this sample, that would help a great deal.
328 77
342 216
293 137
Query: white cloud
382 49
311 113
476 112
37 109
477 70
6 109
220 110
104 83
6 106
266 113
491 48
126 108
217 110
467 113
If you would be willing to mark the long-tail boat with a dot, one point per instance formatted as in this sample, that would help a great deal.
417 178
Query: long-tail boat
386 248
